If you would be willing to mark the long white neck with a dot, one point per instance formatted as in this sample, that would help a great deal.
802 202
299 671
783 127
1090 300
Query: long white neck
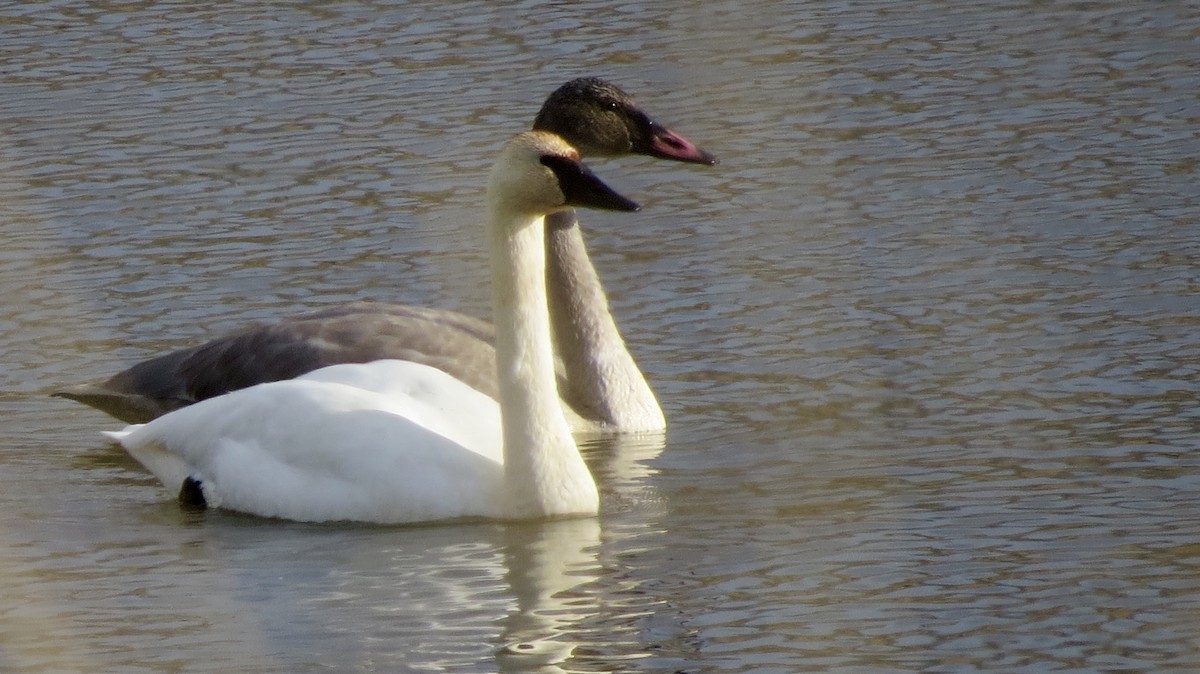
544 473
604 382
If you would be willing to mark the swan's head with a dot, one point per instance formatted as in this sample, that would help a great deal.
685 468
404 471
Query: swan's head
601 120
539 173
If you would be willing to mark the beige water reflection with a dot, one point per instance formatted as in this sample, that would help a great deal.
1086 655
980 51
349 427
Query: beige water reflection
442 598
925 338
146 585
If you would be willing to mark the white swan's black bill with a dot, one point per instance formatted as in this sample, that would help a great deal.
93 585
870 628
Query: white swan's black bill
583 189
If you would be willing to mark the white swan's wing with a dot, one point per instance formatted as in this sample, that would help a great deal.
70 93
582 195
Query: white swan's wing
325 449
427 396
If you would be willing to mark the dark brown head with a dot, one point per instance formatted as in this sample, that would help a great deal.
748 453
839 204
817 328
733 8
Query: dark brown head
601 120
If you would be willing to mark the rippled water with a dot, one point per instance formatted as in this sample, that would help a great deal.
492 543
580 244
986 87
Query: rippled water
926 338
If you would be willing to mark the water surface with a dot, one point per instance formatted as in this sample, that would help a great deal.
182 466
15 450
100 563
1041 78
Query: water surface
926 338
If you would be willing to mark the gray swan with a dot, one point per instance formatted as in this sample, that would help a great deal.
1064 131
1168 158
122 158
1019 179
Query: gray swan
601 386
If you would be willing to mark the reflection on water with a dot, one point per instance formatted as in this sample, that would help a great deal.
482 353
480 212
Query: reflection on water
240 594
925 338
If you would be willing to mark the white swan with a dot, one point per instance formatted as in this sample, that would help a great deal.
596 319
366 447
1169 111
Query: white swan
395 441
600 383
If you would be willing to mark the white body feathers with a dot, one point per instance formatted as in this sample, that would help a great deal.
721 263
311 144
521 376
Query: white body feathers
388 441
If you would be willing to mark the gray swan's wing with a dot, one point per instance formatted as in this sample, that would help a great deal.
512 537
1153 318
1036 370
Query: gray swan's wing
355 333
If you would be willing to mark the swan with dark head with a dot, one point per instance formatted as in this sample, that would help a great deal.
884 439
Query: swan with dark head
601 385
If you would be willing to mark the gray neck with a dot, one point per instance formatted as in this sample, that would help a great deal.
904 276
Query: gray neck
604 383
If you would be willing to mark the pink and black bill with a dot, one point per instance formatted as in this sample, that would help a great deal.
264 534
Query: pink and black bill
666 144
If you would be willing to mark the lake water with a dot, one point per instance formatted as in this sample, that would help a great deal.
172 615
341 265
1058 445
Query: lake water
927 337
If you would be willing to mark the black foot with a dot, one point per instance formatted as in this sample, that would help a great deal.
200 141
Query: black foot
191 496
